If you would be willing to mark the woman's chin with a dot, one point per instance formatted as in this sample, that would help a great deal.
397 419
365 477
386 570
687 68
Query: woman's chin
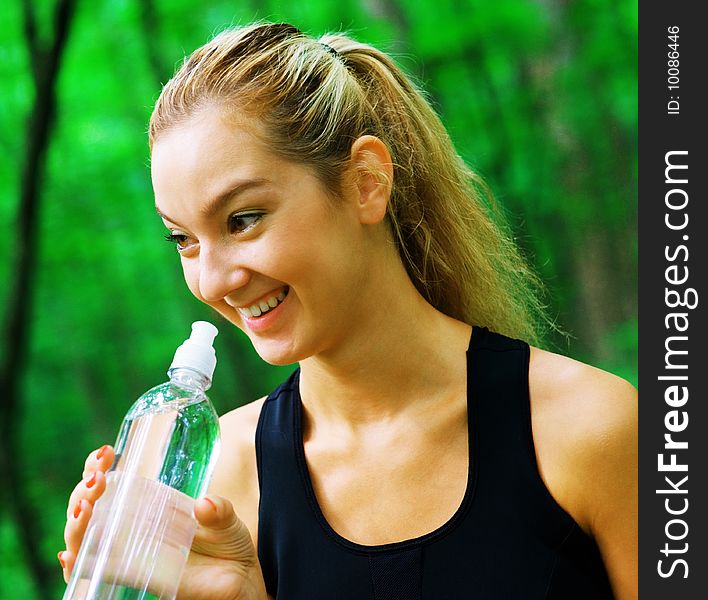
277 361
275 354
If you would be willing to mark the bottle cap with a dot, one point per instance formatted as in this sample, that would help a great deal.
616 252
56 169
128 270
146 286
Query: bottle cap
197 352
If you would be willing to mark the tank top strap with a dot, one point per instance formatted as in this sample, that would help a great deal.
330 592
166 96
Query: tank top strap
274 428
498 394
505 455
282 494
497 400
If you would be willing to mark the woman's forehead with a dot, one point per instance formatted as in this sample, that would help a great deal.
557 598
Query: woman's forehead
209 158
207 144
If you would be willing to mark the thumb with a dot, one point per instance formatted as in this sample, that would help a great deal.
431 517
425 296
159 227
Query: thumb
220 533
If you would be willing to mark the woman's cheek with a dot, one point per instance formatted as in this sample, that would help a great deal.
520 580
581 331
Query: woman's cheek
191 277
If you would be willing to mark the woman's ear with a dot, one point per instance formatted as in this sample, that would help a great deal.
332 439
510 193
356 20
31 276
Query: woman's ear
372 171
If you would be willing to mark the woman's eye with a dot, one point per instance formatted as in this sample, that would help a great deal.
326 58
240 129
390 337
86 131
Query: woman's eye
242 222
180 240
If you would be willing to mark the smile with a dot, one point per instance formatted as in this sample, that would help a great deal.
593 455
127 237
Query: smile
263 306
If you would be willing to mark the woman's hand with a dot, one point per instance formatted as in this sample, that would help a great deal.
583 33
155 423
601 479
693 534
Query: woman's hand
81 501
222 565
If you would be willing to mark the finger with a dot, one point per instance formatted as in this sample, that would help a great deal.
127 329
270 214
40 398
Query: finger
221 533
76 525
62 561
90 488
214 512
67 560
99 460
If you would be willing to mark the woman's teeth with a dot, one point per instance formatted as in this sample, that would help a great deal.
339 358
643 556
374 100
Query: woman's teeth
263 306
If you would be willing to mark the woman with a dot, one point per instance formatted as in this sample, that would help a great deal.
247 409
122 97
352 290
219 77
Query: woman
317 203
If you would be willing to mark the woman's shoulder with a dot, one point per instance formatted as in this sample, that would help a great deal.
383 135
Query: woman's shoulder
584 424
589 397
236 474
243 420
238 434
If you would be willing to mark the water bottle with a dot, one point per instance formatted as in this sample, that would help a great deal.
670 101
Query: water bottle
138 539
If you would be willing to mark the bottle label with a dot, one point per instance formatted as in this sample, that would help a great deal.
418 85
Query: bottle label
139 538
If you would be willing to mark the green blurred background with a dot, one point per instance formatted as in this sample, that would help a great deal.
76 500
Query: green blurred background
539 96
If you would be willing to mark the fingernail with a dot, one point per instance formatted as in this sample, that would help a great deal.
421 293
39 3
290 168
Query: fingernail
212 503
77 510
101 451
92 481
61 560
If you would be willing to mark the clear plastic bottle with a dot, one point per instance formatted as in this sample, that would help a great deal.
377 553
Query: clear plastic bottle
138 539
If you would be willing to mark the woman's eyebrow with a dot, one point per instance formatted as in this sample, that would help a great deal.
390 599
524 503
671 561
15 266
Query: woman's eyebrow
164 216
215 204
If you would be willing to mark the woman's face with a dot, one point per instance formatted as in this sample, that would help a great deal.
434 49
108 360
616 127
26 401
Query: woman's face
259 239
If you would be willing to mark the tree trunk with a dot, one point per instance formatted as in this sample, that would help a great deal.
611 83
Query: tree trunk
45 67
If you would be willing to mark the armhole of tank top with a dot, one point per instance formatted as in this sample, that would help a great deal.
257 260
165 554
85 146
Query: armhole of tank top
531 442
259 447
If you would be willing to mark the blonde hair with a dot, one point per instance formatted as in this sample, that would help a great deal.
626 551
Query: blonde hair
314 98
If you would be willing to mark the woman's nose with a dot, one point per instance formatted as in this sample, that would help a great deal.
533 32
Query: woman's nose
219 274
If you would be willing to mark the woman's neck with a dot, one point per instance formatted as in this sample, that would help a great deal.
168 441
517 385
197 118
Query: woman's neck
397 360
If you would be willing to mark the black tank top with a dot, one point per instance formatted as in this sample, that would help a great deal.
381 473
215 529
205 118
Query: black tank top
509 539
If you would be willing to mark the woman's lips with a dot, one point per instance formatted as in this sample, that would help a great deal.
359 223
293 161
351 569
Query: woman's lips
264 320
264 305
